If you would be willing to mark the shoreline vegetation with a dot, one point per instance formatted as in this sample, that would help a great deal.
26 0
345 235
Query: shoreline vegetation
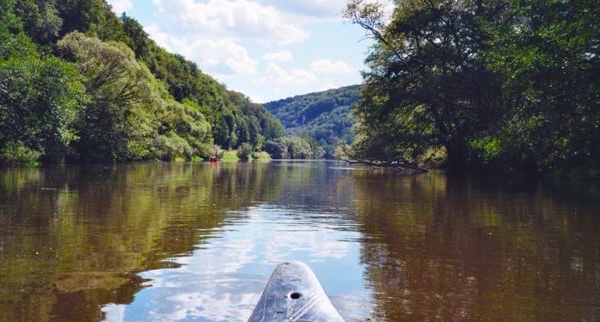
494 86
485 86
80 85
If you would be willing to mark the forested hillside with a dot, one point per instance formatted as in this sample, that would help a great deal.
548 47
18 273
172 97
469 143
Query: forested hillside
505 84
78 83
324 118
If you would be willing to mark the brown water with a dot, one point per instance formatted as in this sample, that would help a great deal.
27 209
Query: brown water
195 242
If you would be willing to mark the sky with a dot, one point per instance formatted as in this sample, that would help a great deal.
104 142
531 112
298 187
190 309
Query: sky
266 49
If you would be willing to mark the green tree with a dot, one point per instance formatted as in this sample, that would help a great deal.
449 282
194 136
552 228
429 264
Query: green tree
114 93
244 151
549 55
276 149
428 86
131 116
39 100
298 148
93 17
116 83
502 83
40 19
323 118
138 38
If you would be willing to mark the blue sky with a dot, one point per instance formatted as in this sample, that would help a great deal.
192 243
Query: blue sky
266 49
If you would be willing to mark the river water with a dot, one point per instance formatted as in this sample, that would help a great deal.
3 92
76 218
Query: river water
197 242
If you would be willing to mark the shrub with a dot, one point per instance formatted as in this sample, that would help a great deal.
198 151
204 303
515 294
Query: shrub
244 152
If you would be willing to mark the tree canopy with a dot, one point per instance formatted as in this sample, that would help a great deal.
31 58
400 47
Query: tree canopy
501 83
324 119
79 83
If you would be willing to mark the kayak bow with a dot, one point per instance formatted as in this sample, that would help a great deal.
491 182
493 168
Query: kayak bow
293 293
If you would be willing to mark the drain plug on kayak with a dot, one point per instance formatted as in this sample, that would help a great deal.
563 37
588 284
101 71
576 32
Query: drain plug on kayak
294 293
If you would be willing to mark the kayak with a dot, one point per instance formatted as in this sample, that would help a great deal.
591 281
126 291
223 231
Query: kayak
293 293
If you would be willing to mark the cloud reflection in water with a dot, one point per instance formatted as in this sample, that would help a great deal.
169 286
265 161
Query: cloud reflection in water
223 279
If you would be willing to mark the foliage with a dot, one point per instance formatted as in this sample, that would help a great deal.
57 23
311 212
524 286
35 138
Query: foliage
125 94
234 118
230 156
211 152
495 82
427 85
93 17
39 99
276 149
323 118
18 153
261 156
78 82
40 19
244 152
116 83
551 62
289 147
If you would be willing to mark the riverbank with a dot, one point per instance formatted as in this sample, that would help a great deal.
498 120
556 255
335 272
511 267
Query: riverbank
232 156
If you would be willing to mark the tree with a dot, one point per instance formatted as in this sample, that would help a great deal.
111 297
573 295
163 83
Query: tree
116 82
40 19
131 115
298 148
244 151
138 38
111 93
93 17
550 58
428 86
322 118
276 149
39 100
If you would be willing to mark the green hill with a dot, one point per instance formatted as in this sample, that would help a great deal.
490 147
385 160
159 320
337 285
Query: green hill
78 83
323 118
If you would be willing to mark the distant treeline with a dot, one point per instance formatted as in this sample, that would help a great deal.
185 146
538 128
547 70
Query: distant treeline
78 83
513 84
323 119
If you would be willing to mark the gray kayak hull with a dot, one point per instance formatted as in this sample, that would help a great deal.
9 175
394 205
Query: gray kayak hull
293 293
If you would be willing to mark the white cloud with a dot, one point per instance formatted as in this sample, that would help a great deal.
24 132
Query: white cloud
120 6
114 312
257 99
293 77
161 38
327 86
221 56
326 66
255 46
280 56
238 19
311 8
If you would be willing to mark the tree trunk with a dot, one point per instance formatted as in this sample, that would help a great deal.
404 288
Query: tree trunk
457 155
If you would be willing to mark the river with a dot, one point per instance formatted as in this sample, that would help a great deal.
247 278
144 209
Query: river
197 242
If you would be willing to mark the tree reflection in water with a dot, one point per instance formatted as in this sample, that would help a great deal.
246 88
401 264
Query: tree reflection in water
464 249
192 241
72 239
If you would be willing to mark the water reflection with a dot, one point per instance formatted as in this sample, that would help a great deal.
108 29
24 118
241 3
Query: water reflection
72 240
457 249
195 242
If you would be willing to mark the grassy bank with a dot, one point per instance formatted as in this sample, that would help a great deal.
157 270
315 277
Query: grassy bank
231 156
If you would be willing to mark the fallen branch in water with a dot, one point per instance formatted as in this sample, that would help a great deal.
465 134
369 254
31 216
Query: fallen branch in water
401 163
